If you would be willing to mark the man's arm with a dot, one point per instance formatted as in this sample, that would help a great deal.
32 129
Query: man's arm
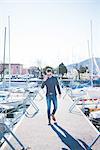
58 87
44 81
43 84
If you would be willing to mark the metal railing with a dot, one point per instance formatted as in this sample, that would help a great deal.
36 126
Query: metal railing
28 101
4 129
75 102
34 106
76 98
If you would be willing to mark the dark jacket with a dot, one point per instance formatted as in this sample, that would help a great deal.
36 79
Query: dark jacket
51 84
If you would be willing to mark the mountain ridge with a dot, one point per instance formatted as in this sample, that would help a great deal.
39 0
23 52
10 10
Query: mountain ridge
87 63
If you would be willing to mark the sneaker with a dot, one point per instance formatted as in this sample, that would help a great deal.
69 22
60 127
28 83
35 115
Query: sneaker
53 117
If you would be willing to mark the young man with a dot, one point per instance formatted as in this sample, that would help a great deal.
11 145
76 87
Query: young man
51 83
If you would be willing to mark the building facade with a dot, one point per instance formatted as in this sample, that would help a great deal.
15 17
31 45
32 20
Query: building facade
14 68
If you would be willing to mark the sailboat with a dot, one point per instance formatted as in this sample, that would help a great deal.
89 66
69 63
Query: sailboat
90 100
94 92
14 96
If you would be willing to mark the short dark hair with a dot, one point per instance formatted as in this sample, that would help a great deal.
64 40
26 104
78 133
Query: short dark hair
49 70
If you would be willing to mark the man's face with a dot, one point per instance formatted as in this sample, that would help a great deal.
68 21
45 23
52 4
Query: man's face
49 74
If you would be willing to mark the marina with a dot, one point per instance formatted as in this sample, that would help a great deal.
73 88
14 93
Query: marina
49 75
72 130
23 107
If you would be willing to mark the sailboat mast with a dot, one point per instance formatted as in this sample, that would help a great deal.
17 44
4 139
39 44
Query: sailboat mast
9 51
91 54
89 51
4 53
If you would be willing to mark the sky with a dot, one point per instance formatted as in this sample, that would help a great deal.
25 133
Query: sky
48 32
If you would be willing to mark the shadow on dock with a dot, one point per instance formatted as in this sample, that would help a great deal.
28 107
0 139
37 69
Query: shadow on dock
68 140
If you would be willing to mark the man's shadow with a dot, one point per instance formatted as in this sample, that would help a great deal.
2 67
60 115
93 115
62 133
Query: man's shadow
68 140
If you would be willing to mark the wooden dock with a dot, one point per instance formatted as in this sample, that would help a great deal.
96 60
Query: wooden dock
72 131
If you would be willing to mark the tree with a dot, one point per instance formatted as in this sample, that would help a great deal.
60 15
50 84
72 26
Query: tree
87 69
82 70
79 76
62 69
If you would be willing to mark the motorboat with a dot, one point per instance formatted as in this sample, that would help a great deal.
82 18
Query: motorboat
95 118
15 98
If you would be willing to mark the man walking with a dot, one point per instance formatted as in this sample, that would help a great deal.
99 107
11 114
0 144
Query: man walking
51 83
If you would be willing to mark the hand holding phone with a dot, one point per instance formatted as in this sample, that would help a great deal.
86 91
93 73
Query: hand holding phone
45 78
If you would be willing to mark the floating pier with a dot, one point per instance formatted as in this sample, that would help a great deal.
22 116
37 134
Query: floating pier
73 131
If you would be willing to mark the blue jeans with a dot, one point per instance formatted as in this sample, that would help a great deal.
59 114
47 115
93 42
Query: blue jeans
50 98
